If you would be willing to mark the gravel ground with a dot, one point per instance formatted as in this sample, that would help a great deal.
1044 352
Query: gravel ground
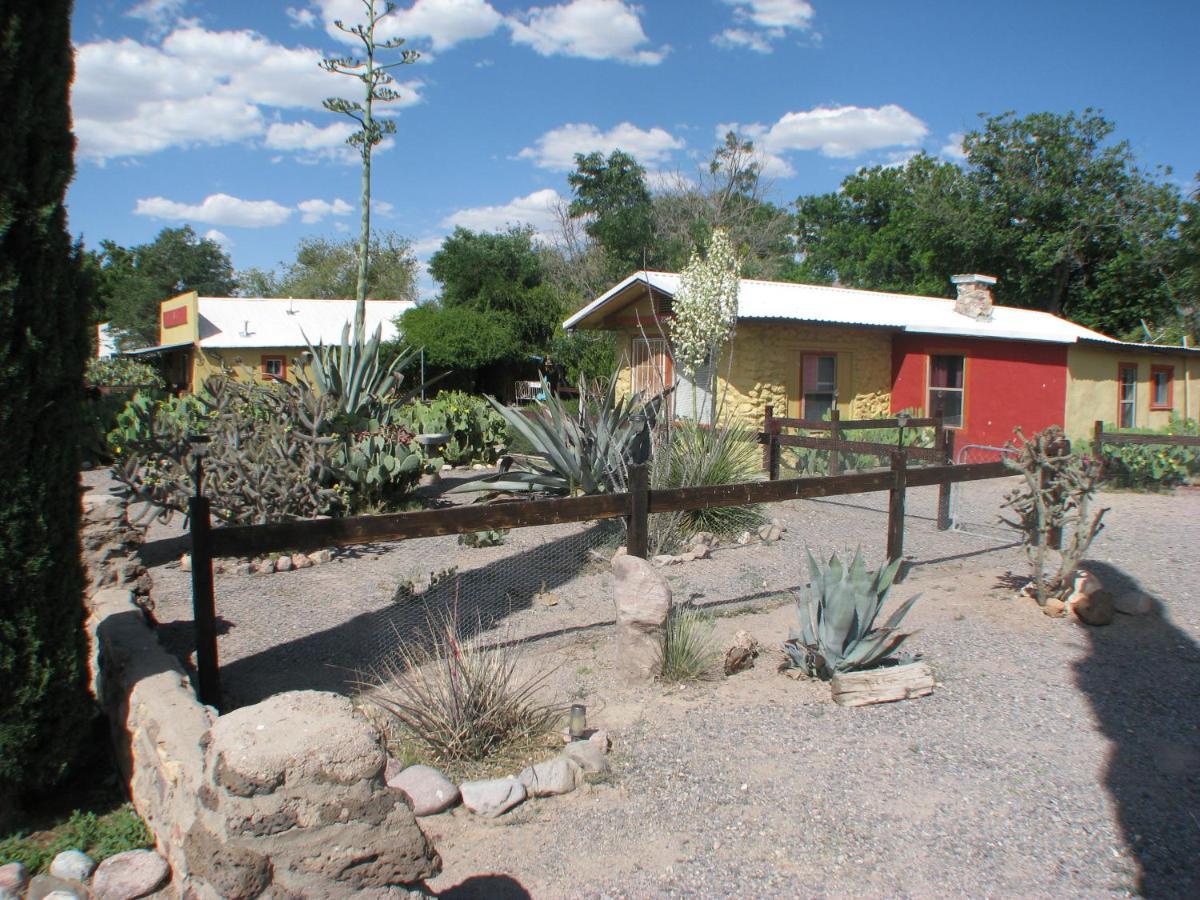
1052 760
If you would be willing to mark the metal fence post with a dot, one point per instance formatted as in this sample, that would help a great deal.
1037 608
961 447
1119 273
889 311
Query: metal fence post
637 535
946 438
204 611
895 536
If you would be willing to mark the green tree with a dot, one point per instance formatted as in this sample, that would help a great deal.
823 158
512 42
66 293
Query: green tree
132 281
612 197
44 702
328 269
375 79
1046 202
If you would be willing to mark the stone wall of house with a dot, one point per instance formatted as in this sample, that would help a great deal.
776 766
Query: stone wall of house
283 798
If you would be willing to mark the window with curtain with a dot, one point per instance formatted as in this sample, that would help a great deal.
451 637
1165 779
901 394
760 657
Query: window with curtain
1127 376
1161 378
818 385
946 389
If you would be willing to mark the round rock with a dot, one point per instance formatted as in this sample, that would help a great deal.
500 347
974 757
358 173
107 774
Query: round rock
13 878
128 875
493 797
430 791
72 865
550 778
588 757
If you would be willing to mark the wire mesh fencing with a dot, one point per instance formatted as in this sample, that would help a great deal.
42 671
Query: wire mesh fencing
975 507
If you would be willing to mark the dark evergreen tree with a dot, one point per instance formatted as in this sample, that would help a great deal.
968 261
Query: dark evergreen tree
44 702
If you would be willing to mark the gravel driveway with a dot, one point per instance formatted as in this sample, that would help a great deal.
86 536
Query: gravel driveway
1052 760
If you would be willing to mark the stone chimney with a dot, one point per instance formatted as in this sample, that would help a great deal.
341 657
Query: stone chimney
974 295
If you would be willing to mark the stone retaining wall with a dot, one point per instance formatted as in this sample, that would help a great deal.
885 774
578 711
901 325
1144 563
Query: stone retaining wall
283 798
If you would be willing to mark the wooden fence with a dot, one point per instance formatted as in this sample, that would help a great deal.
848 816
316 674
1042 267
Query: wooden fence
635 506
1100 437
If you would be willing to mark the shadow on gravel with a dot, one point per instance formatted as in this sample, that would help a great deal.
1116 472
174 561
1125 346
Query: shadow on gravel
1142 677
480 599
487 887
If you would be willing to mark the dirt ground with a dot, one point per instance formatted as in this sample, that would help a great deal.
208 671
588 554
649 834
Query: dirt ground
1053 759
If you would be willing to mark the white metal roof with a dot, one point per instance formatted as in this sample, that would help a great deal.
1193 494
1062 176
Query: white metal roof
848 306
271 322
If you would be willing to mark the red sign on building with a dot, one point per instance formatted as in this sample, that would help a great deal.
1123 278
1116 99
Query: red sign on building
173 318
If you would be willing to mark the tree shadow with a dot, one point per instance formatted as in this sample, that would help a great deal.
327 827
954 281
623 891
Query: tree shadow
479 600
1142 678
486 887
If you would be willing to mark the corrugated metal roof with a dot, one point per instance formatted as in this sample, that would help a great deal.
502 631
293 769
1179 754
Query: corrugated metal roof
271 322
848 306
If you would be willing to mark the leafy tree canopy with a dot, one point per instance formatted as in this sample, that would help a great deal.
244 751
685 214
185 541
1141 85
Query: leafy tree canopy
328 269
459 337
1045 202
132 281
611 194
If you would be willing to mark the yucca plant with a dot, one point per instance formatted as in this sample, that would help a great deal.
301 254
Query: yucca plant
838 608
689 648
585 453
353 373
459 699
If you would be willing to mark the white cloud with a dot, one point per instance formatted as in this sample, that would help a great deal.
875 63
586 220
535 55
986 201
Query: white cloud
301 17
591 29
425 247
839 132
760 22
196 87
312 143
443 23
217 209
312 211
953 150
556 148
219 237
159 15
536 209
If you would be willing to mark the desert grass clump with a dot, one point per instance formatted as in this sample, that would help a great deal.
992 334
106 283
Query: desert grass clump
459 699
689 650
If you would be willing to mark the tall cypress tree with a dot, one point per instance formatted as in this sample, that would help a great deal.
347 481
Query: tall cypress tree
44 703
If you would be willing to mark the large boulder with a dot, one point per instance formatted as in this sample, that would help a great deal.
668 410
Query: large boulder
643 601
293 798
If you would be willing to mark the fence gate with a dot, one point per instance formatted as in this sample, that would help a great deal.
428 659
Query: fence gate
975 507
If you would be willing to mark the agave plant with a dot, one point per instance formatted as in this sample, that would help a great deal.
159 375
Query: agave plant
838 608
353 373
584 453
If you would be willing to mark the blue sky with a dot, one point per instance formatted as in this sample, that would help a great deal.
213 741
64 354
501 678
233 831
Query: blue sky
208 112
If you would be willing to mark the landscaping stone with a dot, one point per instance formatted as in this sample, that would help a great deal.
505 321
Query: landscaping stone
744 538
698 551
643 601
185 563
128 875
243 568
72 865
13 879
320 556
283 564
1093 609
44 885
1086 583
493 797
1133 604
588 757
550 778
1054 608
741 655
264 566
664 559
430 791
301 561
600 739
770 532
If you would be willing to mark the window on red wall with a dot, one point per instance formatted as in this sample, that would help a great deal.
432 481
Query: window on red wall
1162 387
274 368
946 392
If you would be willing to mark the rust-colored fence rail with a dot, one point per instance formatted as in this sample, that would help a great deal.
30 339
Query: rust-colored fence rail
1100 437
635 506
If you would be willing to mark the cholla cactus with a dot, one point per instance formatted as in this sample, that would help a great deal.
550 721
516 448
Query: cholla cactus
705 305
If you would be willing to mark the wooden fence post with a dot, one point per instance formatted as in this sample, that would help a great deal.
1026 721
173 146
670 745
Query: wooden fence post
835 458
946 438
895 535
771 444
637 535
1097 442
204 608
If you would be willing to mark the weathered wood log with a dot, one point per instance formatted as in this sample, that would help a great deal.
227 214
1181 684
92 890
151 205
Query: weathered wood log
882 685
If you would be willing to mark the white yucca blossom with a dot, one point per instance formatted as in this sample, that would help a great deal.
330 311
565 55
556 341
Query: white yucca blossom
705 305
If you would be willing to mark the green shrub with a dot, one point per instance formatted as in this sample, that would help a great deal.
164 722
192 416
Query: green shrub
1148 466
477 432
121 371
689 650
99 836
111 382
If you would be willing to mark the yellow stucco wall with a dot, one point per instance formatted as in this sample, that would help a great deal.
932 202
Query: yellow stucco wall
766 360
188 330
1092 387
244 363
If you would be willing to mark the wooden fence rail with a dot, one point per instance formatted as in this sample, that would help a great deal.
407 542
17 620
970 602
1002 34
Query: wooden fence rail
635 505
1100 437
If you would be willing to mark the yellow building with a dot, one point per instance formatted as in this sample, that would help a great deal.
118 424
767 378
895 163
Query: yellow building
1130 386
252 337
